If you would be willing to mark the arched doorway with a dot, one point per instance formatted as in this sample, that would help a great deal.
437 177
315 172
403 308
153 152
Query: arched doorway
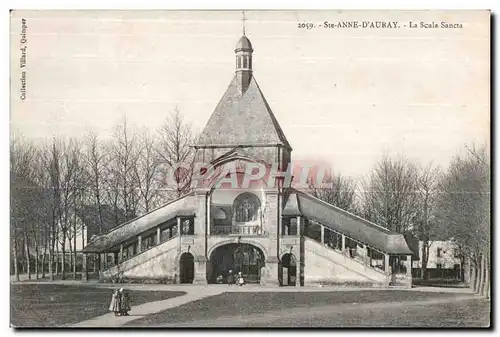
186 266
238 257
289 269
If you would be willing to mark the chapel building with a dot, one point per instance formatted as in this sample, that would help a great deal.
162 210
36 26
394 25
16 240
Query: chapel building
272 233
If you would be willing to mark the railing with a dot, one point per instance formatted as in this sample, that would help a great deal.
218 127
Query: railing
375 259
237 230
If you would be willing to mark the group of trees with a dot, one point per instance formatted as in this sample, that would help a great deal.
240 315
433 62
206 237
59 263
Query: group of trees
430 202
52 182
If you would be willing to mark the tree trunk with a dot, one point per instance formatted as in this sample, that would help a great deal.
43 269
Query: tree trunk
57 257
16 267
71 262
83 255
28 259
63 258
486 278
74 250
51 263
37 272
472 274
424 260
477 267
483 275
43 260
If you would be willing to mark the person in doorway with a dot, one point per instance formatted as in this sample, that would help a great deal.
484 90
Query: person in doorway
219 279
124 302
114 305
241 280
230 278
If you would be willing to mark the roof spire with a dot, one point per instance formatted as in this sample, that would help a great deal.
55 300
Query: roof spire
243 20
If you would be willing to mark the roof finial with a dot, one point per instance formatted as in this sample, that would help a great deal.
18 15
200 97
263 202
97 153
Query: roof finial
244 19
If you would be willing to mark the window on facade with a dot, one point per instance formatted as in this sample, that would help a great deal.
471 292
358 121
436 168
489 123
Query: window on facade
438 252
377 259
244 62
456 253
187 227
333 239
148 241
439 266
250 62
313 231
239 62
351 247
289 226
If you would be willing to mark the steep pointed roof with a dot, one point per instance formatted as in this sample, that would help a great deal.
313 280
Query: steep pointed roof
242 117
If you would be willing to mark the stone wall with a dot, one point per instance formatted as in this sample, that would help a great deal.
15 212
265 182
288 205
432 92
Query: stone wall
323 265
156 264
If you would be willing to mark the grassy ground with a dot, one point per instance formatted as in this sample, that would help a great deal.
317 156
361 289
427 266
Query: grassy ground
49 305
458 314
245 304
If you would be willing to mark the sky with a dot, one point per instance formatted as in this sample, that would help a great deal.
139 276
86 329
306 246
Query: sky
345 96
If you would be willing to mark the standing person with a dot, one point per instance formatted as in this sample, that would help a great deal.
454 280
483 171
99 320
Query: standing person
241 280
124 302
230 278
114 305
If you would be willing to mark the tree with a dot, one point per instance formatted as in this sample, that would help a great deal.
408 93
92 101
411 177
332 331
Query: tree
176 153
95 160
464 210
146 171
71 188
337 190
122 182
389 197
22 198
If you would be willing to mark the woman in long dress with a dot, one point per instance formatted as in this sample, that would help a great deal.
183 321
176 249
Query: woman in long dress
124 302
114 305
241 280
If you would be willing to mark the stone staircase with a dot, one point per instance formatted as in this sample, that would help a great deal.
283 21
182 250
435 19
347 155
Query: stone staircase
159 263
326 265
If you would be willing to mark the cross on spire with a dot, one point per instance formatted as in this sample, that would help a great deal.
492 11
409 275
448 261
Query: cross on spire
243 20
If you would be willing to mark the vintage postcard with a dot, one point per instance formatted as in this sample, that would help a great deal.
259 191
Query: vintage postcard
250 168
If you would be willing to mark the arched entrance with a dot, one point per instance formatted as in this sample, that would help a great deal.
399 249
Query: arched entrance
186 266
238 257
289 269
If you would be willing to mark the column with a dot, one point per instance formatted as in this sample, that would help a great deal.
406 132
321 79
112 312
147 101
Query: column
179 250
209 217
386 264
139 244
322 234
299 257
272 266
343 243
101 265
102 262
158 235
200 270
85 274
